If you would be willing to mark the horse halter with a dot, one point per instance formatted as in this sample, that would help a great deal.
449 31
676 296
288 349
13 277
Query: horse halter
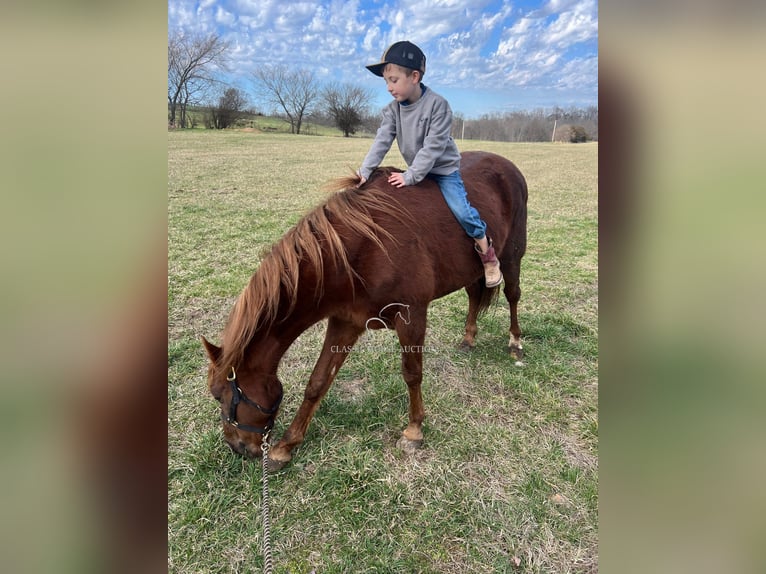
238 396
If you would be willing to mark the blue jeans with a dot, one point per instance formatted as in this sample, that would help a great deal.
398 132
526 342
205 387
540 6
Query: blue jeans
456 197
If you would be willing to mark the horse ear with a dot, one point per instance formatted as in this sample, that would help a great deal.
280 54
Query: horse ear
215 355
212 351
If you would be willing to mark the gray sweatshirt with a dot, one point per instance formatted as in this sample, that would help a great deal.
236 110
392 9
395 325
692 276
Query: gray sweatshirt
422 131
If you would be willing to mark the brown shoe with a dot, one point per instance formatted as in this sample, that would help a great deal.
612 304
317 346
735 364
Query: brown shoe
492 274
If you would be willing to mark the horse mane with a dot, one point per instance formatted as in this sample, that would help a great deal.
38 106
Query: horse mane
312 239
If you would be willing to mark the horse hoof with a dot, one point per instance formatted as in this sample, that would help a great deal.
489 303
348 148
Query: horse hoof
516 353
408 446
277 459
273 465
465 346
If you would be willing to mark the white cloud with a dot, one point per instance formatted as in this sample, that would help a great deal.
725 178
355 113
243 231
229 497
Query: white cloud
475 43
182 14
258 13
572 27
318 21
224 18
489 22
399 18
535 51
371 39
577 73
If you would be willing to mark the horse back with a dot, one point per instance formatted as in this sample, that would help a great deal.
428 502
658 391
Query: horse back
425 253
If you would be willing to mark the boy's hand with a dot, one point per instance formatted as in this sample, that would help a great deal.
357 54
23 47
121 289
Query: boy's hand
362 180
396 179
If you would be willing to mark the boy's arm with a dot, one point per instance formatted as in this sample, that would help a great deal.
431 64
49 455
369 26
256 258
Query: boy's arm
434 145
383 140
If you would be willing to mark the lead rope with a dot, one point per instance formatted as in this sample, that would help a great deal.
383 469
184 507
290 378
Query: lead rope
267 563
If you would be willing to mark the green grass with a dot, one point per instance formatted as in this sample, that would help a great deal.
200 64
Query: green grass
506 480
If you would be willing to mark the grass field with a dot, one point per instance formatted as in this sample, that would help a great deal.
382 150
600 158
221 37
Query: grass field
506 480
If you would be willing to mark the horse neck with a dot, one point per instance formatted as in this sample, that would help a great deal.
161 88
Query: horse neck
289 287
266 350
271 342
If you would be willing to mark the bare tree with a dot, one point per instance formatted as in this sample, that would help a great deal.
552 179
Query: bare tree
192 63
230 108
294 92
347 105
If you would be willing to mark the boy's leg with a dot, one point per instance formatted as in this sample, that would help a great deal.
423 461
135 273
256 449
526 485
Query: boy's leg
492 274
482 244
454 193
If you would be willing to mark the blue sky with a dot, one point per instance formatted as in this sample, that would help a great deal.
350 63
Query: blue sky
484 56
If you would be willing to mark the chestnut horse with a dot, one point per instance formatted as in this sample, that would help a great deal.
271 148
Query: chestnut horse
365 253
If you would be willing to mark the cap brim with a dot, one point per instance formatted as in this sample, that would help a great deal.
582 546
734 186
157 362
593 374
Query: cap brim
377 69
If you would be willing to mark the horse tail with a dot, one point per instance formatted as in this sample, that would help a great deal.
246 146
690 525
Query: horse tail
487 296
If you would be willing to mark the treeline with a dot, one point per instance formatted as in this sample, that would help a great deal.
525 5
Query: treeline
568 125
574 125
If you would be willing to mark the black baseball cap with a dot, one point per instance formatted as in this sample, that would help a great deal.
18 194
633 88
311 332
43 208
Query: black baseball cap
405 54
